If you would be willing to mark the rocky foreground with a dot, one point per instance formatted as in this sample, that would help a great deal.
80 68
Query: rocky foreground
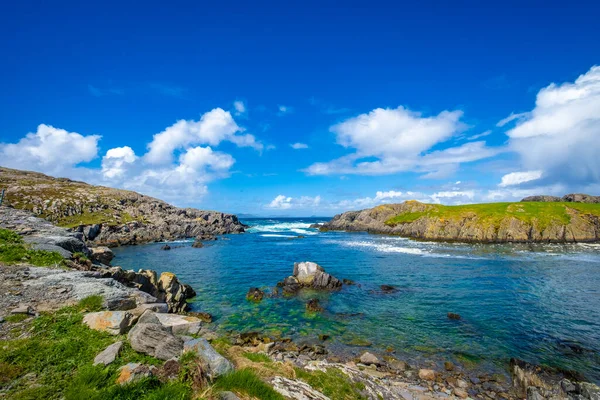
107 216
537 219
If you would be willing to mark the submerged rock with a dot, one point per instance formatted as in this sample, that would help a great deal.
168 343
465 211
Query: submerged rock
454 316
255 294
313 305
166 247
388 289
197 244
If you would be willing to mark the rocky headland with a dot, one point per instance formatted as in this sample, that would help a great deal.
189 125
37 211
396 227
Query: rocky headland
107 216
576 218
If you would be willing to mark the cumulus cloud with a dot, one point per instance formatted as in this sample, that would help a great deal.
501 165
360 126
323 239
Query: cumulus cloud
213 127
560 136
282 202
516 178
299 146
282 110
49 150
176 167
398 139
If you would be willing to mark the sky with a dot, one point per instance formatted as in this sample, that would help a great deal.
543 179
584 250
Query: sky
305 108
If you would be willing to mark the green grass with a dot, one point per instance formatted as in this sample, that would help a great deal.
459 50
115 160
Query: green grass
91 303
257 357
542 214
90 218
13 250
245 381
16 318
333 383
59 356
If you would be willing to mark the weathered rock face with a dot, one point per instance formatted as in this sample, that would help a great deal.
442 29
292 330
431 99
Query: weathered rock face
309 275
155 340
582 226
570 198
166 288
102 254
217 364
108 355
113 322
127 217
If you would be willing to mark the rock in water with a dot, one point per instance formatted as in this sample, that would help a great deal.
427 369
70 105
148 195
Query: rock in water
454 316
155 340
166 247
113 322
175 293
217 364
255 294
310 275
197 244
313 305
108 355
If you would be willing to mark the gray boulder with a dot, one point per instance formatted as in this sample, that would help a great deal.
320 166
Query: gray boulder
113 322
51 247
70 243
155 340
102 254
217 364
108 355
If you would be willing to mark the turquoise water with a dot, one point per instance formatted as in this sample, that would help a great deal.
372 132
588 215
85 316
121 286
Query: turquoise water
539 303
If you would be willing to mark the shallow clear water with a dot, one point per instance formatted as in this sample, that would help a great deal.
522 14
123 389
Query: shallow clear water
540 303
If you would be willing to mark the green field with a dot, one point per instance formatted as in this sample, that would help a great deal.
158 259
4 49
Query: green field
541 213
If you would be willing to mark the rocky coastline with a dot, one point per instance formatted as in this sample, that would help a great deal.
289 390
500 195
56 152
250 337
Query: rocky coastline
148 314
106 216
574 219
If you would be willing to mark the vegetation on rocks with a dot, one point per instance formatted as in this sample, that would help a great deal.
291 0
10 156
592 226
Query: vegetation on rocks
13 250
555 222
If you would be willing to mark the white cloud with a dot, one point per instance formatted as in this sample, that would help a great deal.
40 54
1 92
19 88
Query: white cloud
213 127
398 139
115 162
240 107
299 146
516 178
480 135
49 150
282 202
560 136
512 117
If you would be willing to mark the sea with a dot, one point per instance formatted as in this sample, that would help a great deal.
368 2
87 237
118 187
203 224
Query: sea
539 303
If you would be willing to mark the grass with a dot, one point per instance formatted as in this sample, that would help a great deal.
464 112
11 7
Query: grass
542 214
257 357
91 303
13 250
15 318
247 382
58 357
333 383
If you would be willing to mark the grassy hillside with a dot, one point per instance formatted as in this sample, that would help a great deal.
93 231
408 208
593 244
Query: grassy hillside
543 214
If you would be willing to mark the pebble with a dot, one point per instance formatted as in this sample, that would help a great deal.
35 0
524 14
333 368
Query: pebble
458 392
427 374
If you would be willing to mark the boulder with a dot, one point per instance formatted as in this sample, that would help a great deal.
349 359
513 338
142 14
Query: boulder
113 322
166 247
102 254
108 355
91 231
51 247
173 292
369 359
217 364
69 243
197 244
180 324
309 275
155 340
427 374
255 294
454 316
132 372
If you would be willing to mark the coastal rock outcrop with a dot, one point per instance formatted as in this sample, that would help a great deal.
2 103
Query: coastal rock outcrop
309 275
106 216
569 198
520 222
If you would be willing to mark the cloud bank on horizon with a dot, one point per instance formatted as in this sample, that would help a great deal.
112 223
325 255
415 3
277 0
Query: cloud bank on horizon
554 148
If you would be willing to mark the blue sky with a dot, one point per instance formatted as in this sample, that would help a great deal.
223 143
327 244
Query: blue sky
305 108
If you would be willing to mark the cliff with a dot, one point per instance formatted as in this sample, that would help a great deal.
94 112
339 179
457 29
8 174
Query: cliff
524 222
108 216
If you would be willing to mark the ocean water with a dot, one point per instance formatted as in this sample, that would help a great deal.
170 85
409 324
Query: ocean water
540 303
